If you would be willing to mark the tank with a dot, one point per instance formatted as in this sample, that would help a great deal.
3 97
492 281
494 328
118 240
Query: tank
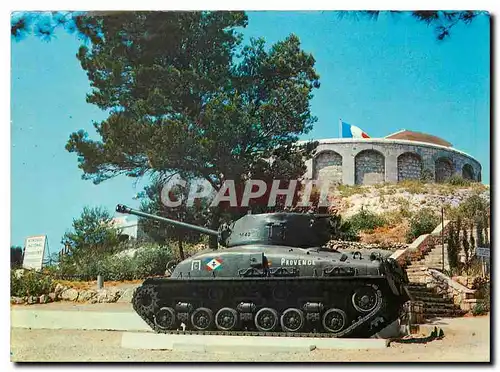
274 277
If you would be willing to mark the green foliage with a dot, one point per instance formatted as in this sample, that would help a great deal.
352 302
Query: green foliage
152 261
181 102
413 186
347 232
366 220
453 242
30 283
148 260
457 180
480 309
197 214
16 257
466 244
423 221
349 190
426 176
92 234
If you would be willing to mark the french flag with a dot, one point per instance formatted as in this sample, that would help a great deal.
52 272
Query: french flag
352 131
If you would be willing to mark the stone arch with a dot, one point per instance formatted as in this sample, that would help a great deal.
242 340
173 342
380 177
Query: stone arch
369 167
444 169
328 166
468 172
409 166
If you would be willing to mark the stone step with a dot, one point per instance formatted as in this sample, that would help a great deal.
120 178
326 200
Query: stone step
435 312
439 305
429 297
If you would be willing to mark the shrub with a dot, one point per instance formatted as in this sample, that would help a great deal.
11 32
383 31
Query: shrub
366 220
152 261
423 222
30 283
148 260
347 232
413 186
457 180
426 175
479 309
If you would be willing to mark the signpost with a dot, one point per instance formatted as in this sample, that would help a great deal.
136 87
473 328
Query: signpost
484 253
34 251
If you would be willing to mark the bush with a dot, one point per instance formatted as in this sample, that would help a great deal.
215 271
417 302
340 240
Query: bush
149 260
152 261
366 220
422 222
30 283
457 180
426 175
480 309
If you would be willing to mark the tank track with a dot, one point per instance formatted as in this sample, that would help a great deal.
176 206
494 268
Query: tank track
321 307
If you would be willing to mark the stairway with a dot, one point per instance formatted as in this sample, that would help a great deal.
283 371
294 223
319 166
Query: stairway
435 305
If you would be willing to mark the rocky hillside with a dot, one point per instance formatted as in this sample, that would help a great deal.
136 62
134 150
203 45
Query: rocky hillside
397 203
407 196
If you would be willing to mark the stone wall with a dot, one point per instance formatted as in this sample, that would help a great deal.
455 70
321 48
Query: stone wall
328 165
443 169
393 152
369 167
409 166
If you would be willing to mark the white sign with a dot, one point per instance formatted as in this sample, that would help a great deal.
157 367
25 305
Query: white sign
483 252
34 251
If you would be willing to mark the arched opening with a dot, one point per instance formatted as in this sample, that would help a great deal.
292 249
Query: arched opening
369 167
409 166
328 166
468 172
444 169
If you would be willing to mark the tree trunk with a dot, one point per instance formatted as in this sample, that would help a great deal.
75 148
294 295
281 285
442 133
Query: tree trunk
214 225
181 249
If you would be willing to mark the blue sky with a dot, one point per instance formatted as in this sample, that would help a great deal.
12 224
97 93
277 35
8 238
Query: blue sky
382 76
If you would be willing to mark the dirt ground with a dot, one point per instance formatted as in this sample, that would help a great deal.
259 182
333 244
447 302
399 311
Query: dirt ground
466 340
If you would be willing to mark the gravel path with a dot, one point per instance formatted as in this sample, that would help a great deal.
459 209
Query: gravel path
466 339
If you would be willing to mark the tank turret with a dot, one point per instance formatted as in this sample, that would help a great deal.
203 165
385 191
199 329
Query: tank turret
281 228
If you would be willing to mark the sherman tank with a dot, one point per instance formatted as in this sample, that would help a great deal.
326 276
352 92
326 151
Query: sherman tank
274 277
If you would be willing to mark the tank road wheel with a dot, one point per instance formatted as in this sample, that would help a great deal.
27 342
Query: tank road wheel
364 299
292 320
266 319
334 320
202 319
165 318
226 319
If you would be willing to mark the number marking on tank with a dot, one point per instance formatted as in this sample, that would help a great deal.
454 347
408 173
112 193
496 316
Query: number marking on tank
196 265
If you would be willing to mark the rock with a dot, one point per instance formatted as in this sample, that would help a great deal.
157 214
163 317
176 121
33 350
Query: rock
69 294
32 300
59 289
43 299
107 295
52 297
127 295
86 295
17 300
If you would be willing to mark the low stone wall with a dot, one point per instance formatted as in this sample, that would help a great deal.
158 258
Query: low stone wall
348 245
444 285
63 293
420 246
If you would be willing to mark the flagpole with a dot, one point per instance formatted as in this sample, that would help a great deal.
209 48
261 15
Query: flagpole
340 128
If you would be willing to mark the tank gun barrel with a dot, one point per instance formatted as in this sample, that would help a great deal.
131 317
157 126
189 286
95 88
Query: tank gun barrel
127 210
